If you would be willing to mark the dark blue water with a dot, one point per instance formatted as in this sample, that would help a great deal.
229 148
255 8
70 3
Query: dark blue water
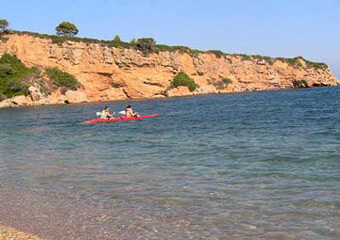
263 165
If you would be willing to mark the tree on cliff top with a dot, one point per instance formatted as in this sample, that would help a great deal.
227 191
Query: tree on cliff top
117 39
145 45
3 24
67 29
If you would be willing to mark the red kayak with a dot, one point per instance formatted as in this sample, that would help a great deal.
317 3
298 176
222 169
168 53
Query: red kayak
118 119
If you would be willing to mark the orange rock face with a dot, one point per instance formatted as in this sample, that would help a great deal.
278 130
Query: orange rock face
116 73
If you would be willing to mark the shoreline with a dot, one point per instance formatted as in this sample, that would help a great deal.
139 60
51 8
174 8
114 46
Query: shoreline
95 72
158 98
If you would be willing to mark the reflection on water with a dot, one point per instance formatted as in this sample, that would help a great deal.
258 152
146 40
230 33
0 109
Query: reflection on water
247 165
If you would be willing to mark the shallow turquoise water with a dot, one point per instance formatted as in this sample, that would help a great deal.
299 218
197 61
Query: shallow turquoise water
261 164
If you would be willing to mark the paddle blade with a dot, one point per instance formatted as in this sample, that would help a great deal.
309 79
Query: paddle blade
122 112
98 113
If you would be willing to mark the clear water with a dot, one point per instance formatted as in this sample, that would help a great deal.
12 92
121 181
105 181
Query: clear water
261 164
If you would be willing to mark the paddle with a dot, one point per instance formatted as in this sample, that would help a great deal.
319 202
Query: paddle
100 113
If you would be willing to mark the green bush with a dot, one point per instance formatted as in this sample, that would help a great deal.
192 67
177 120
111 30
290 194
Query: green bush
217 53
13 74
6 70
182 79
195 52
145 45
62 79
221 84
245 57
227 80
167 48
181 48
58 39
12 62
267 59
2 96
117 38
15 87
133 42
315 65
296 62
116 42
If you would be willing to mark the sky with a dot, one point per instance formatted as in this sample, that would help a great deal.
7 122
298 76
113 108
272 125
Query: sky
276 28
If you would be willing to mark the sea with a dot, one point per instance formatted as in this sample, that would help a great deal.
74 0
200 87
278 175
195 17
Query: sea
257 165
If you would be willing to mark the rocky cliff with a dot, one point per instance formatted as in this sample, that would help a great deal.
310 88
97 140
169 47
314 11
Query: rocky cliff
108 73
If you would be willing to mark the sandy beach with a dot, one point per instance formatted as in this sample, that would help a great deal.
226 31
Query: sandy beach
7 233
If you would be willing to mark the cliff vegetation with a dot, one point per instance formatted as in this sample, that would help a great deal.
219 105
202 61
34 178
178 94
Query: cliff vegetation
37 69
148 45
13 77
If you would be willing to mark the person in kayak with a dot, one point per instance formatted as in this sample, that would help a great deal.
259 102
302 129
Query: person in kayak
130 113
106 113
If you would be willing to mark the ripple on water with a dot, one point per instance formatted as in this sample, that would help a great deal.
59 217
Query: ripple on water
243 166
